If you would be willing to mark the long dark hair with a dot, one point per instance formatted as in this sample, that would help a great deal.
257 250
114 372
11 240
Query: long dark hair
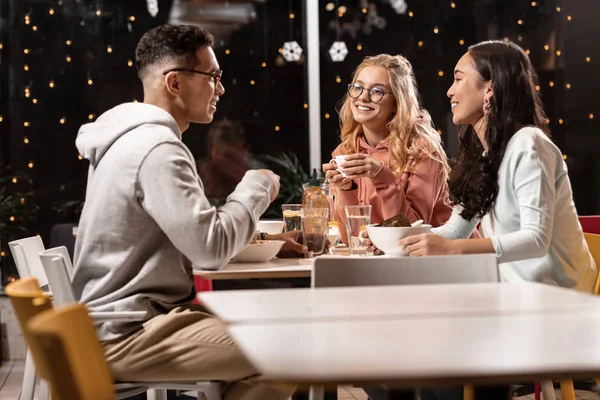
515 103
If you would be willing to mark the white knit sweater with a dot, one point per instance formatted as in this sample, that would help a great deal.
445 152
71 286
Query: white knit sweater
533 224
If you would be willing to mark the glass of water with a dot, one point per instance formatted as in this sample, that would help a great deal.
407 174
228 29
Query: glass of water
292 216
357 219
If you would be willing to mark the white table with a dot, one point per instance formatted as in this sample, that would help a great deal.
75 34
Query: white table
387 302
411 335
276 268
426 351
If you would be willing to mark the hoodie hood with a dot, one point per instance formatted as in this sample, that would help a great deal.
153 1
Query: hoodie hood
381 148
94 139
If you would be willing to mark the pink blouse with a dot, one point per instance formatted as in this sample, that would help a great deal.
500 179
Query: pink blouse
421 193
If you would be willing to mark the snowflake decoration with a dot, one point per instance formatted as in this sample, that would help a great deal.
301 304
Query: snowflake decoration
291 51
375 20
399 5
338 51
153 7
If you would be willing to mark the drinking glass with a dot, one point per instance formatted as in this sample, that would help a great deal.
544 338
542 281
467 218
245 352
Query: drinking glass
357 219
292 216
315 223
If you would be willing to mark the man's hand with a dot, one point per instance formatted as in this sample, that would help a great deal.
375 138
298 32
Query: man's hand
275 179
292 247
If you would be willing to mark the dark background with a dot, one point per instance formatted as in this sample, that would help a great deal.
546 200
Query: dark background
37 139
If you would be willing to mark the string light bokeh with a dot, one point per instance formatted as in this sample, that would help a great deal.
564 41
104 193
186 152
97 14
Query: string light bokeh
73 60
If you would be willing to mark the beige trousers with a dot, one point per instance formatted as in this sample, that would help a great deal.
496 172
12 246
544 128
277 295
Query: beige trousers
189 344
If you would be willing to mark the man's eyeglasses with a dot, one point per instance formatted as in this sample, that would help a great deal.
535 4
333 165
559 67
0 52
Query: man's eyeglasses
215 75
375 94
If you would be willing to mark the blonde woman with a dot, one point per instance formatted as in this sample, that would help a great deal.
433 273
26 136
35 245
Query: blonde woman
394 158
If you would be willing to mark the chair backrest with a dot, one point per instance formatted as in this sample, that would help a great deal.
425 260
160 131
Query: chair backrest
25 253
72 360
381 271
57 265
28 301
593 242
590 223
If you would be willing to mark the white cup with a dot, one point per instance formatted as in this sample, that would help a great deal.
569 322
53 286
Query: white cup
338 160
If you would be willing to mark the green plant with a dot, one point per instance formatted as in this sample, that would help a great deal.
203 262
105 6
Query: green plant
17 213
69 210
68 201
292 175
17 210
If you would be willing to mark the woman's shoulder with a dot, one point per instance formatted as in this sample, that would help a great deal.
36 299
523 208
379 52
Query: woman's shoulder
532 142
529 137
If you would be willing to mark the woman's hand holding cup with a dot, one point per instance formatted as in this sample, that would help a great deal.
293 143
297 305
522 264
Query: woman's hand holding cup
335 175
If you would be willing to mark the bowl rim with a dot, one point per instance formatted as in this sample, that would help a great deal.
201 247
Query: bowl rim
266 241
384 227
275 244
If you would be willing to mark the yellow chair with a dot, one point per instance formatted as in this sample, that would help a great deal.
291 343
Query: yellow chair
82 372
567 389
77 368
28 300
593 242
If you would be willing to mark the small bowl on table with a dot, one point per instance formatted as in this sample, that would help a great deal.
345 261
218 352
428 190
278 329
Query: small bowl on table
270 227
259 251
386 238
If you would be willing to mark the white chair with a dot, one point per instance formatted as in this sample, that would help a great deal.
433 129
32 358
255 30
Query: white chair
59 270
385 271
57 266
379 271
25 253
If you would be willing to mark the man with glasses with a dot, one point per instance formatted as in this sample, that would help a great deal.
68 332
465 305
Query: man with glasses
146 220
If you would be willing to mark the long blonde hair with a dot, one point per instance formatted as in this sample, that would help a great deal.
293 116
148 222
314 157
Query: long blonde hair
411 129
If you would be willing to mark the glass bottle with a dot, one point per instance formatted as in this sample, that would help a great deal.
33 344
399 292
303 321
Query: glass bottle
313 196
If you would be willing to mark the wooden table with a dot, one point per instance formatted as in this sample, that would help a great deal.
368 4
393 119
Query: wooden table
387 302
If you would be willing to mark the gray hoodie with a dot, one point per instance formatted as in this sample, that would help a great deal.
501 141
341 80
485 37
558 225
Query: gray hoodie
146 219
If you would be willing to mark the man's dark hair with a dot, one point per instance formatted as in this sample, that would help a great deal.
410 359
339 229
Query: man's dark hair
170 42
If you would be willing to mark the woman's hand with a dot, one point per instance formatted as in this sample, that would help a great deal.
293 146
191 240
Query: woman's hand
360 165
335 178
426 244
370 246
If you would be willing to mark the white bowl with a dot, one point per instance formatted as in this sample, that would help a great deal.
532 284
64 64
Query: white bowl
259 251
386 238
270 227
